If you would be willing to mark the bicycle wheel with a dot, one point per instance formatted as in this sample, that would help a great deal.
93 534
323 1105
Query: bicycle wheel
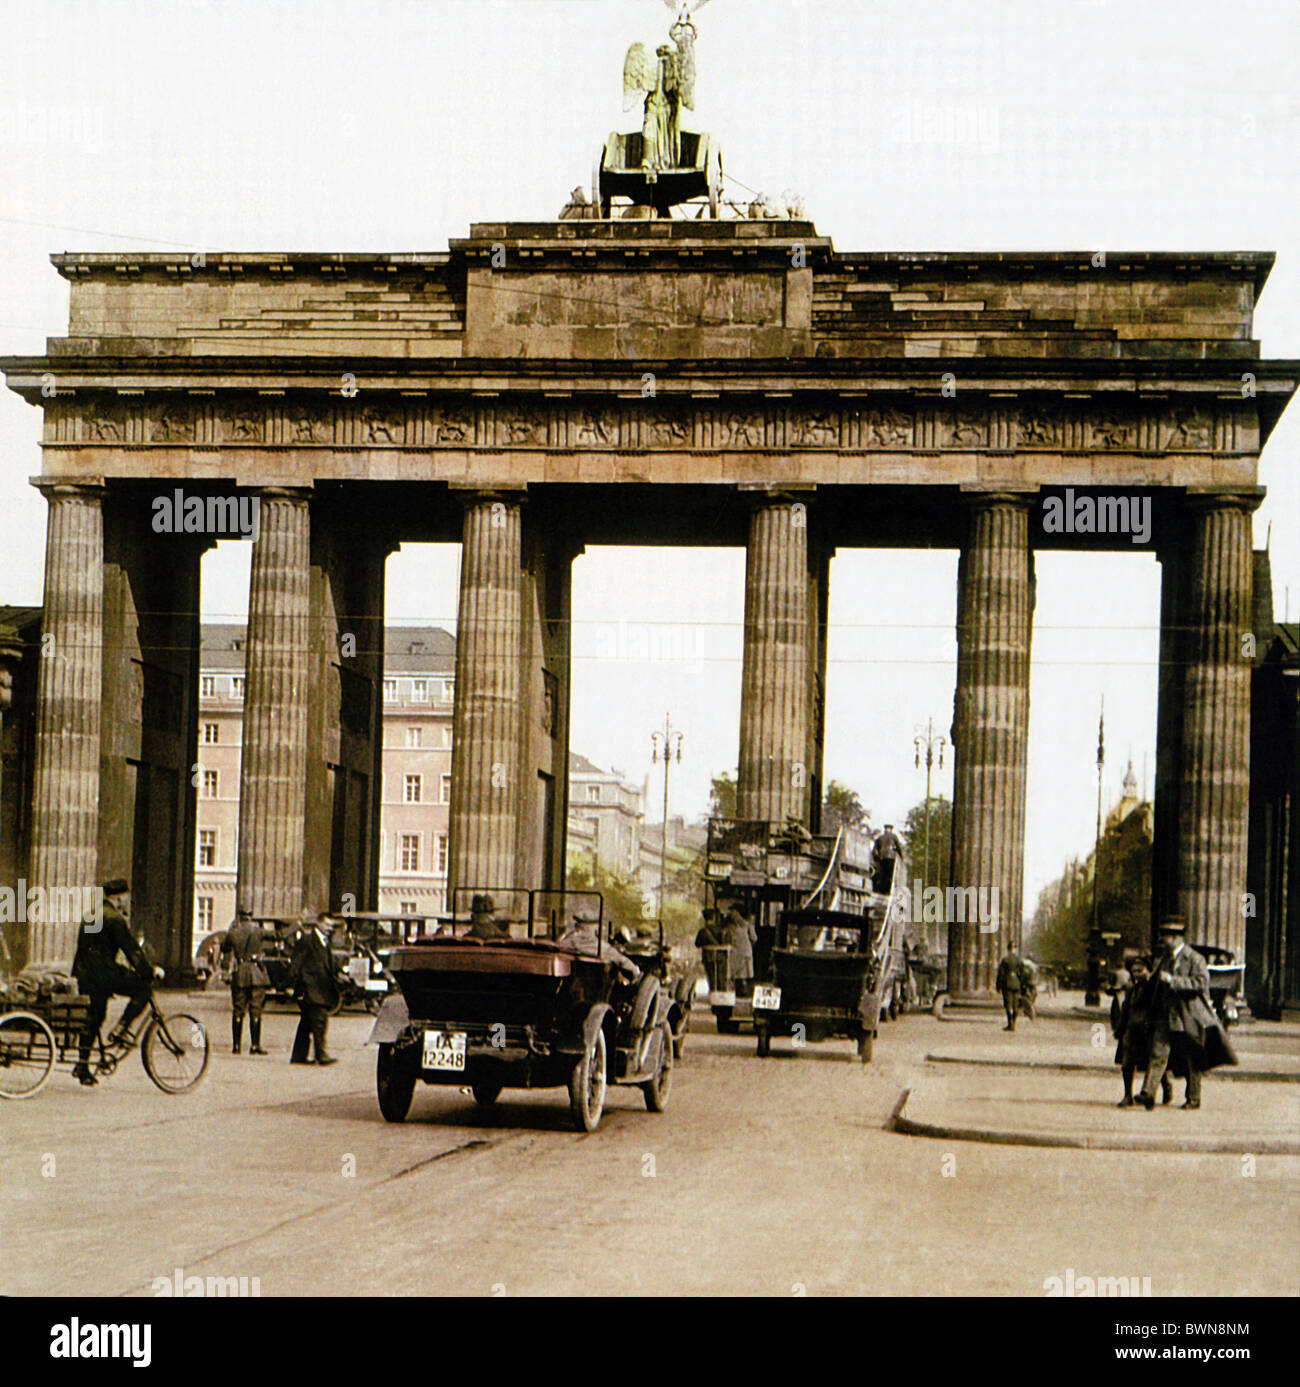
175 1051
27 1053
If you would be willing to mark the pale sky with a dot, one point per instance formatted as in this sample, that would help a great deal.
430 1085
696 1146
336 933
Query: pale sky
1008 124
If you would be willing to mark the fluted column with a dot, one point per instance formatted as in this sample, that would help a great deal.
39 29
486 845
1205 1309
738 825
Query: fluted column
990 738
487 732
273 766
1214 788
774 773
65 794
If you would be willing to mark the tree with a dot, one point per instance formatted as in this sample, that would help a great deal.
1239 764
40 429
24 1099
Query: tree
1062 918
928 857
722 801
841 808
624 904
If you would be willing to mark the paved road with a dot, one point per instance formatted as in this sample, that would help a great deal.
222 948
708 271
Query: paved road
764 1177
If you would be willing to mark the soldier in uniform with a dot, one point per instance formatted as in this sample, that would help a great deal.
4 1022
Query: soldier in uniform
1008 983
248 980
100 944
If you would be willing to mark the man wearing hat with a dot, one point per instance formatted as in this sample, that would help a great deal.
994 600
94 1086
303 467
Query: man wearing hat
248 980
1185 1033
104 937
483 923
884 854
316 989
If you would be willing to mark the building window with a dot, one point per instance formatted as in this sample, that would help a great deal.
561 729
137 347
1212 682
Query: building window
211 733
208 686
390 690
446 789
410 852
237 686
406 907
205 914
449 689
446 735
442 854
413 789
414 736
207 847
211 784
593 794
419 691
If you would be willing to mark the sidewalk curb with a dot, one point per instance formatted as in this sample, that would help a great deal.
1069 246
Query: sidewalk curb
1150 1142
1238 1075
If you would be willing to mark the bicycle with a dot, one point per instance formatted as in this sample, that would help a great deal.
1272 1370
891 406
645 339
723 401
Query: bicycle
173 1049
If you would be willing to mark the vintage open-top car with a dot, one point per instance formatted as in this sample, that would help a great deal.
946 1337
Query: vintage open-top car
522 989
646 948
833 974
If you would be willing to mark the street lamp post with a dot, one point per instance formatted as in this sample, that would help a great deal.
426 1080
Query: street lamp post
666 745
927 745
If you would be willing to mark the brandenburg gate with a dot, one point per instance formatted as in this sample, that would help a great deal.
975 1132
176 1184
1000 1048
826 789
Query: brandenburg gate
544 386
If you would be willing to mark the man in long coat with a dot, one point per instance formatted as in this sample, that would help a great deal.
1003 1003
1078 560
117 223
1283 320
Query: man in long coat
1185 1032
311 976
742 936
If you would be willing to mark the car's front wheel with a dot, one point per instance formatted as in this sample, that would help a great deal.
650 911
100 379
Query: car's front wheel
656 1089
395 1084
587 1085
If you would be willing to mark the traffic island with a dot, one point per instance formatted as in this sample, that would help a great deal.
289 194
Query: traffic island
1027 1108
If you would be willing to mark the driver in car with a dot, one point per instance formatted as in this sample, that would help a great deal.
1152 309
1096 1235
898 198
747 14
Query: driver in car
483 923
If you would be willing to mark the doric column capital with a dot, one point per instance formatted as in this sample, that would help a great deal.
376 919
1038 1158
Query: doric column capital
1247 501
57 489
978 499
285 493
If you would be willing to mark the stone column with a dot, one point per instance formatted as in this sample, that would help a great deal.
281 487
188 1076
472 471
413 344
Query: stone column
1169 726
774 773
65 794
1214 780
273 765
990 738
486 737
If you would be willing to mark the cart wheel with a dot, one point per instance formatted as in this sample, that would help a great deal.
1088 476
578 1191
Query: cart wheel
656 1089
587 1086
764 1041
175 1051
937 1006
866 1045
485 1094
395 1084
27 1053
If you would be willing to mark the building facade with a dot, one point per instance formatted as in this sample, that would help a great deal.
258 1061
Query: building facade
418 693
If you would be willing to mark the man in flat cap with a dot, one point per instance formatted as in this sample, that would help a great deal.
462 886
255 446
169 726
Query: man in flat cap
1185 1033
110 962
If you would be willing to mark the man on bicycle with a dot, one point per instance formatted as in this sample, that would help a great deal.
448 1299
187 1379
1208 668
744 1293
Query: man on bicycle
99 975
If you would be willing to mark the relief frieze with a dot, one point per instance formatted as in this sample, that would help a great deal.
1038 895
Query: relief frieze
671 425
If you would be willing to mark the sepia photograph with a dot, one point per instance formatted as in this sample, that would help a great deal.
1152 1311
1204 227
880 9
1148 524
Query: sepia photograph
695 601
